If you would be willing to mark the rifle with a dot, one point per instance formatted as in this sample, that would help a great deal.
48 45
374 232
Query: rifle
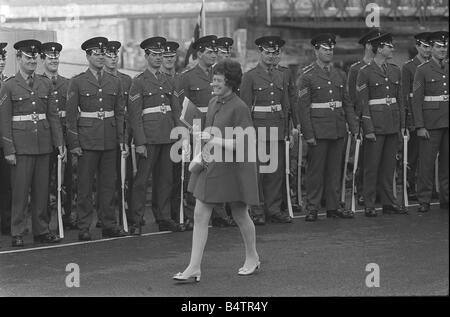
183 161
405 169
133 157
59 176
289 203
436 173
122 178
347 155
299 171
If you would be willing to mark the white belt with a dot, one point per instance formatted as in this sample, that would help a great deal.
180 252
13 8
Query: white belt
62 114
272 108
436 98
203 109
382 101
97 114
322 105
30 117
162 109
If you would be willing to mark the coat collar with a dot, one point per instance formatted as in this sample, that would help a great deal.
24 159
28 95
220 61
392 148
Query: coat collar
201 73
435 66
23 83
106 80
263 73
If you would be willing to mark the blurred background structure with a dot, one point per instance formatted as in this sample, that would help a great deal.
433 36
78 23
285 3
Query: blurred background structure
70 23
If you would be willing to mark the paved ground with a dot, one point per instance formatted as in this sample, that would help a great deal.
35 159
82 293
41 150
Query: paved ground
326 258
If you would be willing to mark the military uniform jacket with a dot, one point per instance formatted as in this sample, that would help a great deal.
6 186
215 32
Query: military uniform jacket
87 95
430 80
149 92
195 84
261 89
60 94
316 86
351 84
29 137
408 72
372 84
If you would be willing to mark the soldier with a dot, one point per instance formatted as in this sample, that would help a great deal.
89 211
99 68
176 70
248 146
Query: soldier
5 170
351 89
111 66
224 45
95 121
50 60
430 113
264 90
30 128
195 84
152 116
324 111
408 70
383 117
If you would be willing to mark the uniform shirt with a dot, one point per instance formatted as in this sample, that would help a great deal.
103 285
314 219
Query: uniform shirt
351 84
372 83
29 137
148 92
430 80
263 89
408 72
87 95
316 86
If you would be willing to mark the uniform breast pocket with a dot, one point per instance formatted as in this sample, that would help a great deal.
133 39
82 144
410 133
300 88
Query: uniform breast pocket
87 96
433 85
20 101
111 97
147 96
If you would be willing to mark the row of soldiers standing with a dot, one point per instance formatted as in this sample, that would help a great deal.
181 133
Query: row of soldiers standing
98 114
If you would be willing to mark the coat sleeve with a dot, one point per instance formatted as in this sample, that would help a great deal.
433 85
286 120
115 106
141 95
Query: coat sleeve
5 120
362 97
349 109
304 106
417 99
119 114
135 105
72 114
246 91
53 118
351 88
406 89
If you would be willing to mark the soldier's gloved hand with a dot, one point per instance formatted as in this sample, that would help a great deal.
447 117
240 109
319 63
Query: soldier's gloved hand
63 152
186 148
295 132
141 150
124 149
423 133
11 159
77 151
405 132
311 141
371 137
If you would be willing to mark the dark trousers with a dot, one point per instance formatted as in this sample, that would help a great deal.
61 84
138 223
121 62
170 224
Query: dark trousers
428 150
159 165
67 174
270 184
30 173
323 173
102 164
379 168
5 194
413 157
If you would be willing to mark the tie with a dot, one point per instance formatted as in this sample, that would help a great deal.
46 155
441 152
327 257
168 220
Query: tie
158 75
30 81
99 77
327 70
54 78
384 67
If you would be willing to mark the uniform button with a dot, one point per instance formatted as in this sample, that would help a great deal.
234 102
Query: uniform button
271 84
160 88
445 91
443 76
329 83
20 98
332 100
56 92
32 93
273 102
56 100
386 79
331 91
445 84
101 109
387 87
87 95
100 99
100 90
162 96
271 92
33 103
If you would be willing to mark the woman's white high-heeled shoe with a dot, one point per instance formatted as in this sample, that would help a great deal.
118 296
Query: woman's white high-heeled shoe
184 278
249 271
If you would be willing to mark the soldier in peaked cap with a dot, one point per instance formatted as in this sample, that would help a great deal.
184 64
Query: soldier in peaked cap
95 124
383 117
111 66
351 89
224 46
408 70
169 60
325 110
152 116
430 113
265 91
30 128
5 170
50 52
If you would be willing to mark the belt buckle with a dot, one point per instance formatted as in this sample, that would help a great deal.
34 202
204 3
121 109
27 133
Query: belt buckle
273 108
101 115
445 97
388 101
332 105
60 114
163 109
35 116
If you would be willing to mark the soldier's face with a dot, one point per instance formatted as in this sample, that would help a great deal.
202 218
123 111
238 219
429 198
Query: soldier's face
276 59
424 51
325 55
2 63
154 60
169 62
219 86
222 56
51 64
208 57
96 59
439 51
111 61
27 64
387 51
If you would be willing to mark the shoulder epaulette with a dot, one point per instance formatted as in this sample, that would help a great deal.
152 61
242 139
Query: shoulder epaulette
409 61
282 67
9 78
366 66
356 63
113 75
394 64
424 63
78 75
188 70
